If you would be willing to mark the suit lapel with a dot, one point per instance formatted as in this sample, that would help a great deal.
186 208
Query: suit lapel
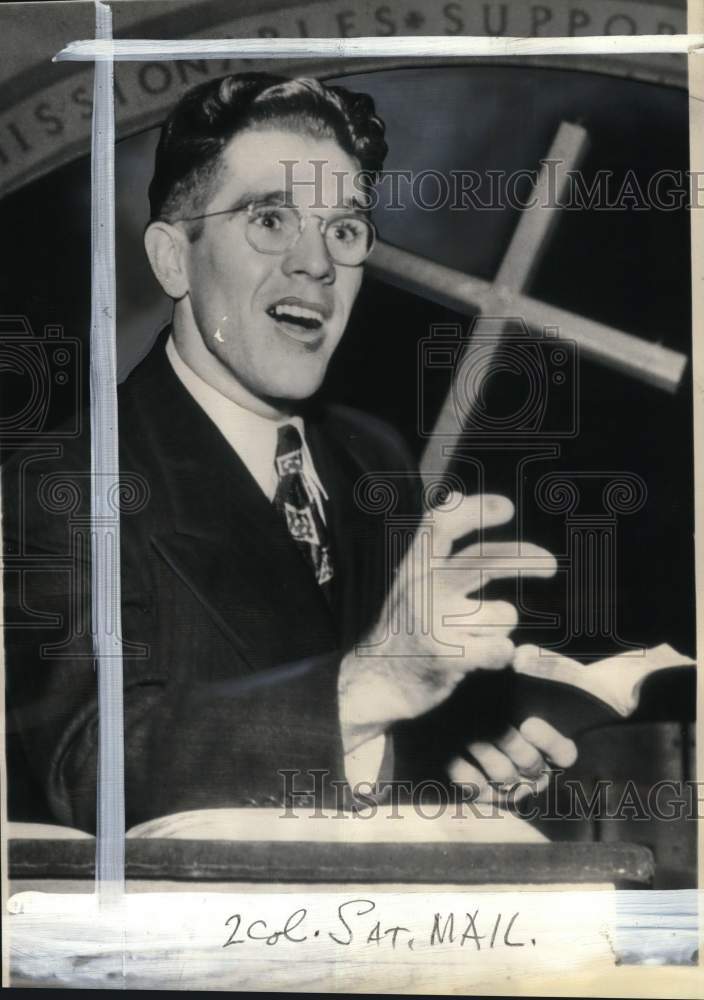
221 535
357 535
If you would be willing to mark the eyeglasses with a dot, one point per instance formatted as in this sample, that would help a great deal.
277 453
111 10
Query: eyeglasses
274 229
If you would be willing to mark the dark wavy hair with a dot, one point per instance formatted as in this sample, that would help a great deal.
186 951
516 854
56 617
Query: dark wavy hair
210 115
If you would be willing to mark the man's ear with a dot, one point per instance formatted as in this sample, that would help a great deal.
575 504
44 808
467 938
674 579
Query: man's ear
166 248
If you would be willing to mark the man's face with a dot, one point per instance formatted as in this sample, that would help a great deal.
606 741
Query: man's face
273 321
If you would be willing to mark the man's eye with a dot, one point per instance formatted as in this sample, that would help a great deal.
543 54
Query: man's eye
347 231
268 218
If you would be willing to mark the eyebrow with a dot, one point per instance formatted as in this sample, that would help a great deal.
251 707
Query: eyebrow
282 197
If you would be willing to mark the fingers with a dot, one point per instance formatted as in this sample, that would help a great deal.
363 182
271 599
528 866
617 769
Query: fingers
557 748
525 756
476 566
474 617
490 653
533 661
495 764
511 758
483 789
498 560
458 517
516 765
463 773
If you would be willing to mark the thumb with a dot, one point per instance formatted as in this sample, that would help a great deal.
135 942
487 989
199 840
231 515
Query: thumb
460 515
537 662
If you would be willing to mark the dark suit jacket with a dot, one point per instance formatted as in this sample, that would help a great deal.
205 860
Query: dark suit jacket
231 651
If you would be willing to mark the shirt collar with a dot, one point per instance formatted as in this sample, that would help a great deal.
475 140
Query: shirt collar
251 435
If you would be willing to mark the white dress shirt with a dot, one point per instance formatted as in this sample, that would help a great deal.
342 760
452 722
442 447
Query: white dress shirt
254 438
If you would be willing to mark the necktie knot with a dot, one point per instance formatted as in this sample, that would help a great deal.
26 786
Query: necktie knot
289 455
288 439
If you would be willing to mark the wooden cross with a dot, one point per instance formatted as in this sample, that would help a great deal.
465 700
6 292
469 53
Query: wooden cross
506 297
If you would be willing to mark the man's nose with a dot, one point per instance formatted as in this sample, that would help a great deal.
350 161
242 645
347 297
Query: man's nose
310 255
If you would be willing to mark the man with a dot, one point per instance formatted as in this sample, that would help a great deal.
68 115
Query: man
255 586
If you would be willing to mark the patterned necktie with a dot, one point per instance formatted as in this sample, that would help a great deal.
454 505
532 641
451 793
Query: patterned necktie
293 499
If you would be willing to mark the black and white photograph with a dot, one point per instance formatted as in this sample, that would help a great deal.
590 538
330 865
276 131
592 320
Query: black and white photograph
348 478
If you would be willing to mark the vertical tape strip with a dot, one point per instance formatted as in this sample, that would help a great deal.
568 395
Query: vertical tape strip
695 20
105 512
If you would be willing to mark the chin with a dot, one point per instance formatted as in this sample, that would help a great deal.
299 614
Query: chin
298 389
298 393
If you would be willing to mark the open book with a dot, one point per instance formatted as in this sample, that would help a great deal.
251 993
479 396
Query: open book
616 681
482 824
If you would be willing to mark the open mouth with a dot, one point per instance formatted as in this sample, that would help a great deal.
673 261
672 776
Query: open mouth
301 317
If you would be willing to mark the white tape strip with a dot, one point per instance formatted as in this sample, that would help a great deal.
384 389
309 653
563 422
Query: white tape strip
345 48
410 938
105 523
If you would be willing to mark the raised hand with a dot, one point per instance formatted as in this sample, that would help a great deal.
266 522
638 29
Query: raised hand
430 633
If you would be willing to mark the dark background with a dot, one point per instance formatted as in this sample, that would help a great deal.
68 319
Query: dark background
629 269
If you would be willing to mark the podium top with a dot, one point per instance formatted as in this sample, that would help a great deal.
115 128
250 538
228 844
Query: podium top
150 859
